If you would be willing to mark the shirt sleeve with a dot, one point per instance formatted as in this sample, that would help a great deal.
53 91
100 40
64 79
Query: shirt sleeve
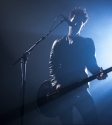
92 65
54 63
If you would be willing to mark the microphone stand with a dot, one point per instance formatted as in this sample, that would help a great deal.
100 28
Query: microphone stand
24 60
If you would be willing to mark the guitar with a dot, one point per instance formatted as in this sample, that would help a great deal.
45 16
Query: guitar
47 95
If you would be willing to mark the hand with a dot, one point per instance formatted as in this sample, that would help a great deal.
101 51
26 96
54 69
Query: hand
102 76
58 86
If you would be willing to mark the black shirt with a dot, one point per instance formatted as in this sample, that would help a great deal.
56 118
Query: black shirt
69 58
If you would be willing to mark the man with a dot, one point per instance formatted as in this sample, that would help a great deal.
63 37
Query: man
69 58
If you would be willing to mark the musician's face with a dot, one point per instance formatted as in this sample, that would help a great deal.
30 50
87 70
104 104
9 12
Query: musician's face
78 24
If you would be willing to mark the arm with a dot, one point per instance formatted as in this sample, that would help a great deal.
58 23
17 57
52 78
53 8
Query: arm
92 65
54 63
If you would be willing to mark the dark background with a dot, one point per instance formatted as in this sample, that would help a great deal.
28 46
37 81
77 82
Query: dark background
22 23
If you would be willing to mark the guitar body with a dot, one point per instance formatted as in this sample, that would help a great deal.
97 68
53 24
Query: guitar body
50 109
58 104
51 102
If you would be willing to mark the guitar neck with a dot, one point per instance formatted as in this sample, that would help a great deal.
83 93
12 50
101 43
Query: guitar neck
95 76
50 96
78 84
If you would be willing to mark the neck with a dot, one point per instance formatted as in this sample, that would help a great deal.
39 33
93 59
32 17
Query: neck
74 32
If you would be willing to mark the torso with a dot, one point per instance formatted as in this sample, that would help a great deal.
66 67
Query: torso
73 59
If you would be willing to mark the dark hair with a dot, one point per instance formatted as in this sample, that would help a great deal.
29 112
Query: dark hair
77 11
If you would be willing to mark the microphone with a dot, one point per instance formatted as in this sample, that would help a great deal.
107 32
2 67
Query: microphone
67 20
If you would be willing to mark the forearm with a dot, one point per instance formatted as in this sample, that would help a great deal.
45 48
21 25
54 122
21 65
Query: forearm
93 68
92 65
54 68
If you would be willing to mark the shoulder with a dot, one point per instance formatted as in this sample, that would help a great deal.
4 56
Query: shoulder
58 42
89 41
90 46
